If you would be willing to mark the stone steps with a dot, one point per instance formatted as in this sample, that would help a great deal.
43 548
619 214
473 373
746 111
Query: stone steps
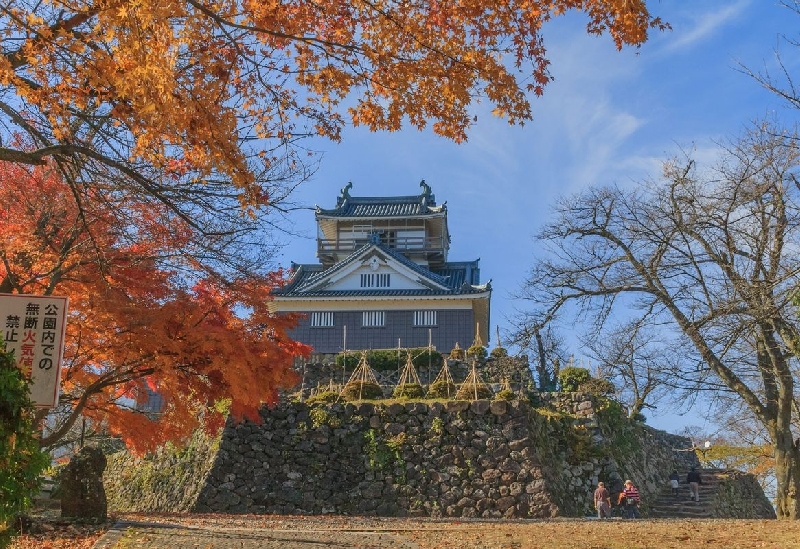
666 505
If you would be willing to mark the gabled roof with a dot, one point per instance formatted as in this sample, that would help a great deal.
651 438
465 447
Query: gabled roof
394 206
454 279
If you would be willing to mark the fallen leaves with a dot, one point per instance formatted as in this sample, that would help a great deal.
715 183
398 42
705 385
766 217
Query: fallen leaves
427 533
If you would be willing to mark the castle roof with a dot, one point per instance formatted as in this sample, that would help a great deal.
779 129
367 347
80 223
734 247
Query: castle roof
348 206
457 278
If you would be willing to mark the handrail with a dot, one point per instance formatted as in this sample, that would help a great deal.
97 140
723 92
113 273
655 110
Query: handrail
420 243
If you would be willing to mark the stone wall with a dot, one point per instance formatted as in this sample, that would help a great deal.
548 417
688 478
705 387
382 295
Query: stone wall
455 458
740 496
608 447
441 459
169 480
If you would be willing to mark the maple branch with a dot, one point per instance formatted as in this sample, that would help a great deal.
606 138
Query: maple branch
417 40
19 120
38 157
253 28
92 389
33 158
16 58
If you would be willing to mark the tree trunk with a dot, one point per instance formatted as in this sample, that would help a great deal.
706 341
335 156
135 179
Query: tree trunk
787 473
546 381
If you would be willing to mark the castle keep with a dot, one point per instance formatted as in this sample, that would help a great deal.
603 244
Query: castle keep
384 279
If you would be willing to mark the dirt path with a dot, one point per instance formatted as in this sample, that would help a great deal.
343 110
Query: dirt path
290 532
250 532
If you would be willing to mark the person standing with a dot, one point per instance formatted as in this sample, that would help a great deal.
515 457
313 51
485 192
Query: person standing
602 501
674 481
631 499
695 480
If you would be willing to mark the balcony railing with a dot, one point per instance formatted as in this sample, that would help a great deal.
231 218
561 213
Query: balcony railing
400 243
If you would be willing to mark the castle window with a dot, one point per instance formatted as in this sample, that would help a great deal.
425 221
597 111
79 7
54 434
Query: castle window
322 319
373 319
375 280
424 318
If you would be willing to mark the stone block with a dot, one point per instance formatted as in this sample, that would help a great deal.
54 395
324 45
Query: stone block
455 406
480 407
417 409
395 409
394 429
82 491
498 407
491 475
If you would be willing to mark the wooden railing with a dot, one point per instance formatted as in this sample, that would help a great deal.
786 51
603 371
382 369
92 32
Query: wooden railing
404 243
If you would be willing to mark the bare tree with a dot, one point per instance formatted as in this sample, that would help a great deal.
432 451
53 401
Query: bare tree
780 81
637 360
545 347
714 253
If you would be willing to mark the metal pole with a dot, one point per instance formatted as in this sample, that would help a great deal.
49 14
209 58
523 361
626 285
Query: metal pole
429 356
398 360
344 362
303 383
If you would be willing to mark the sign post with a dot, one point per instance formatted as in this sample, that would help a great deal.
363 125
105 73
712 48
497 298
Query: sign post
33 326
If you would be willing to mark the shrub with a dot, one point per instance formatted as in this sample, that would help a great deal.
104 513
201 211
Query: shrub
388 359
320 416
409 391
21 461
325 397
596 386
442 389
423 357
468 391
499 352
505 394
350 360
362 391
457 353
477 351
570 378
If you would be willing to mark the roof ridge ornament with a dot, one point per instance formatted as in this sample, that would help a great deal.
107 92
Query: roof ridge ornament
427 195
345 194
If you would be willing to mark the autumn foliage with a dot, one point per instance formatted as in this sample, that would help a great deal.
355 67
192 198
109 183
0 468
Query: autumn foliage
145 316
144 143
222 89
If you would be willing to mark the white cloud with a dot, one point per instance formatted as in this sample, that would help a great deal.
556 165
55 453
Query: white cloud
703 25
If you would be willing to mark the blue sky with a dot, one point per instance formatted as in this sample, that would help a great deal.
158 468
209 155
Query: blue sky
609 117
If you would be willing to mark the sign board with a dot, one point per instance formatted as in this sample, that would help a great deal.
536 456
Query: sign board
33 327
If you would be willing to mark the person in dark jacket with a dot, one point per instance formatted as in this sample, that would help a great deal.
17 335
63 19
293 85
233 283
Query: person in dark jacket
695 480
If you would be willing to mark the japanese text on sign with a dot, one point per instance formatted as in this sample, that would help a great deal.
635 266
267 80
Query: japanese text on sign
33 327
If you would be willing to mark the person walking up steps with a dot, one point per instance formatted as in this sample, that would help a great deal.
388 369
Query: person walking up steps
695 480
674 482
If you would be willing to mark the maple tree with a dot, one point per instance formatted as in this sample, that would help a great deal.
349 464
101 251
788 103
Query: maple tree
222 90
146 315
171 129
